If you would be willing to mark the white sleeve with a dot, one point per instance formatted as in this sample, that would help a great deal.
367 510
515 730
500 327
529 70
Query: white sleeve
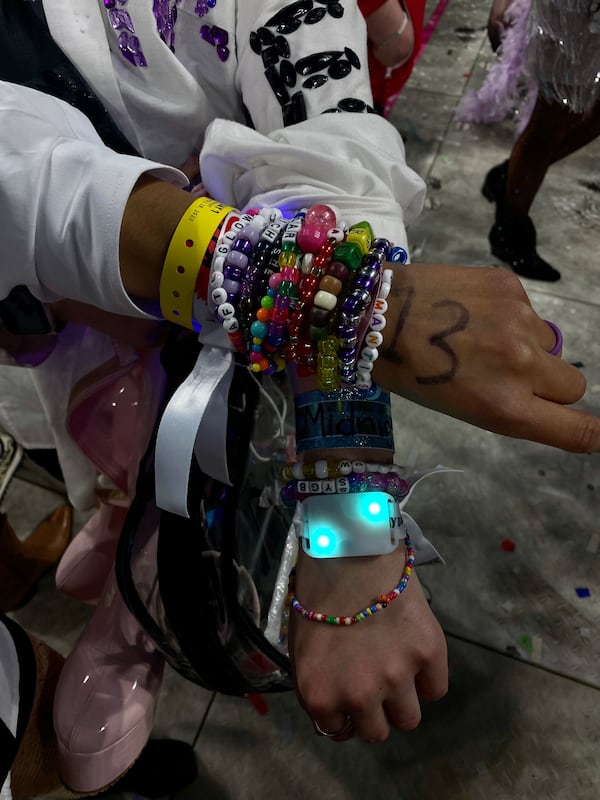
62 197
303 77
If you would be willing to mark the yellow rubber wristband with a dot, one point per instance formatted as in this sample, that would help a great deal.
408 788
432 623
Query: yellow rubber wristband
184 258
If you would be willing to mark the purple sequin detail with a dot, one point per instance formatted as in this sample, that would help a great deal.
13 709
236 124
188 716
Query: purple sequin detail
206 34
120 20
165 14
218 37
129 46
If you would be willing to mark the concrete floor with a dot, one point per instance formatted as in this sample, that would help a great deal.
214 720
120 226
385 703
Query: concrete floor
520 719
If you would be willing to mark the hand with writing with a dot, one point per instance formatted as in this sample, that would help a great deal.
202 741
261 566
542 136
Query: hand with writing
465 341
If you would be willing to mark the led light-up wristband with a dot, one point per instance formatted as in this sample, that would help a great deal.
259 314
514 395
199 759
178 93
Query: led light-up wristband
338 525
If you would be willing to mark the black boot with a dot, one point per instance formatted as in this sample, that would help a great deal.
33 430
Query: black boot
494 185
514 243
164 767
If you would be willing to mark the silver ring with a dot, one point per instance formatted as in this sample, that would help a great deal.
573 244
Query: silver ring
346 728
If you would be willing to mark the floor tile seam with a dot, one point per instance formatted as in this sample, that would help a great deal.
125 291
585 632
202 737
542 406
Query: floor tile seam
566 298
524 661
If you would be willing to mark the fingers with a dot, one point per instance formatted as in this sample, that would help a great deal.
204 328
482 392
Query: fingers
557 380
555 425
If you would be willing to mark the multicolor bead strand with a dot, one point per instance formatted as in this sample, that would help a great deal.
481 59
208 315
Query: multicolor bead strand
369 611
325 468
298 490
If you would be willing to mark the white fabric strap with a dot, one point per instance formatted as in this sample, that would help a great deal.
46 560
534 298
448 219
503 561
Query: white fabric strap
194 423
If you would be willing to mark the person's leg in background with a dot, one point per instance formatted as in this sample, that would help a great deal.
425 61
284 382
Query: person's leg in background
552 133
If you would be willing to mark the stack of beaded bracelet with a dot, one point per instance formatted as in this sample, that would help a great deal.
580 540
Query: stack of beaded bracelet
340 477
365 613
309 290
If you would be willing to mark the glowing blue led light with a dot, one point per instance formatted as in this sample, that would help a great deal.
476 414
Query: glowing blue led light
323 540
374 508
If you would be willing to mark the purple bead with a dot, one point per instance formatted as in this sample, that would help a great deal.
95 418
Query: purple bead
376 481
346 332
223 54
363 282
242 245
233 273
206 34
372 261
397 486
232 288
356 302
347 355
290 494
236 258
201 8
358 483
120 20
381 245
109 3
282 302
211 3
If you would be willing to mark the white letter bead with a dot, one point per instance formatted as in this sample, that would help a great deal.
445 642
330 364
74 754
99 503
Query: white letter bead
374 339
222 249
225 310
219 296
216 279
380 306
369 353
321 468
372 467
269 235
335 235
359 467
325 300
384 290
377 322
388 275
316 487
231 325
230 236
303 487
342 485
328 486
345 467
364 366
360 384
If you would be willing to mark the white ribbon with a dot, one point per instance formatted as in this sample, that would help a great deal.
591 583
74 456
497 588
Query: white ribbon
194 423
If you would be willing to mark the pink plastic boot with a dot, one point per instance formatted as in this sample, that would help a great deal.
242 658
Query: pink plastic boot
106 696
88 560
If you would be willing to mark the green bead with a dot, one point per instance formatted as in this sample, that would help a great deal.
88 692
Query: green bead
349 254
267 301
287 289
290 247
330 620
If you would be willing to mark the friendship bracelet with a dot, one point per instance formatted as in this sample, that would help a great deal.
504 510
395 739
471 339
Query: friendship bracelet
365 613
296 491
184 259
324 468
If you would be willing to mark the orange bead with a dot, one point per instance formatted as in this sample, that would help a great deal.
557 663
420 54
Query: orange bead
263 314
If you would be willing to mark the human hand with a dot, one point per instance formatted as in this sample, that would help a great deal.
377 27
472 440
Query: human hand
465 341
375 671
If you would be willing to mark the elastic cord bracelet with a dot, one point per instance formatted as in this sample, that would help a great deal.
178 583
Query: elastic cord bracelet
296 491
365 613
184 259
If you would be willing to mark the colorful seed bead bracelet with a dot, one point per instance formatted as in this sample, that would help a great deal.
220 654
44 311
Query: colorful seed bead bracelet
363 614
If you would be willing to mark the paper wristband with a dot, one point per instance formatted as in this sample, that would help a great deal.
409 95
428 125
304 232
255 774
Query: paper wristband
184 258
